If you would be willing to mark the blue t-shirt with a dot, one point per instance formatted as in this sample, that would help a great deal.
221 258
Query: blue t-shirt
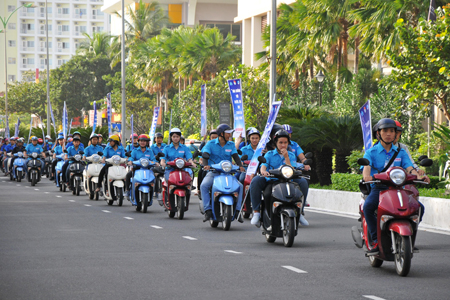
71 151
3 148
171 153
10 148
58 150
296 148
91 150
137 154
157 149
31 149
131 147
248 150
71 144
109 151
379 158
218 153
274 160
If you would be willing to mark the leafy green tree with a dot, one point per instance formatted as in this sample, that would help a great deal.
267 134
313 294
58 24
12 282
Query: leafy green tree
27 98
98 44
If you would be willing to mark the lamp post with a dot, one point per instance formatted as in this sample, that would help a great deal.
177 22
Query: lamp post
273 53
320 77
163 100
5 23
48 73
124 142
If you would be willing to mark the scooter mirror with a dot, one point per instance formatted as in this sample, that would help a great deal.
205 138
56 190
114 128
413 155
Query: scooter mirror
160 154
309 155
426 162
100 153
65 151
128 154
422 157
308 162
81 152
196 153
239 151
244 157
363 162
205 155
262 159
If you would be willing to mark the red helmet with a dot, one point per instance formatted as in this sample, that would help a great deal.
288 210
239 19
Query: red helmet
134 136
144 137
40 141
399 126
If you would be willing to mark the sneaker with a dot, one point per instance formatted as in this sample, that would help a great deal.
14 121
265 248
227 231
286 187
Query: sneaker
307 204
52 178
303 221
160 202
255 219
159 197
374 250
239 217
208 215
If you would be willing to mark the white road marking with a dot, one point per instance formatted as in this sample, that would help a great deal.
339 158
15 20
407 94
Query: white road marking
3 181
231 251
47 192
128 218
106 211
373 297
294 269
189 238
36 189
157 227
18 184
71 200
87 205
58 196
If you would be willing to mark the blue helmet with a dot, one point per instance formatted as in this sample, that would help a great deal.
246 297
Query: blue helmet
34 138
253 131
224 128
287 128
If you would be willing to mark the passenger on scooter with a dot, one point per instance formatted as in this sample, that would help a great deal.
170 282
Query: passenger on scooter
100 141
34 147
134 144
71 151
93 148
298 151
58 150
274 159
158 145
75 134
253 137
379 157
218 149
202 173
182 140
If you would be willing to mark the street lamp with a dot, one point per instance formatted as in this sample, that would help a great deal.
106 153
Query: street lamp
320 77
5 23
163 100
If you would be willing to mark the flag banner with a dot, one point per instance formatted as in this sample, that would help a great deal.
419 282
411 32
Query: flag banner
154 121
16 131
53 118
42 128
7 128
70 126
234 86
431 11
203 110
132 130
65 121
170 123
29 133
366 124
94 125
108 111
253 166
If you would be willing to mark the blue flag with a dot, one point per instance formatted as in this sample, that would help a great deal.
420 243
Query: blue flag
53 118
94 125
154 121
65 121
366 124
234 86
108 112
203 110
132 130
265 137
16 131
7 128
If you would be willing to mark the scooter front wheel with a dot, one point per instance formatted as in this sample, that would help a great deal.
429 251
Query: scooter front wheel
19 176
403 255
181 203
227 216
289 231
33 179
119 195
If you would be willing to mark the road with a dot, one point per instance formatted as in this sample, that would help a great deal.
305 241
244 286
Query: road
57 246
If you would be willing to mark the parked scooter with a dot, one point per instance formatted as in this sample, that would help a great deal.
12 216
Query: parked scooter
286 199
90 175
58 170
34 168
398 217
76 169
19 167
116 180
224 193
177 191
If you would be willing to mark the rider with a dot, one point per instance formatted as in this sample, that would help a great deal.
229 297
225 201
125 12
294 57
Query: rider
253 136
202 173
134 144
19 148
75 134
114 148
158 145
58 150
274 159
93 148
100 141
34 148
298 151
71 151
379 156
219 149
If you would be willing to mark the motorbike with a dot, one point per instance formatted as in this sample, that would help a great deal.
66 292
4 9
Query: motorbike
282 217
224 194
76 169
7 162
398 217
115 180
18 171
142 184
90 175
48 163
177 191
34 168
58 170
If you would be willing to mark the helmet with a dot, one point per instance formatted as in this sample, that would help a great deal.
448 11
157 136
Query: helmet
93 136
134 135
287 128
6 139
159 134
191 142
385 123
99 135
48 137
114 138
281 133
77 132
224 128
212 132
253 131
76 139
34 138
20 140
60 137
70 135
40 141
143 137
176 131
248 130
399 126
182 138
31 137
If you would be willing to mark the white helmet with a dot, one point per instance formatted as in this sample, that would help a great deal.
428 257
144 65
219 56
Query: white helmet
175 130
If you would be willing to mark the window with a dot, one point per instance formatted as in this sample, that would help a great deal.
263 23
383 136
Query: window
30 61
11 77
44 61
11 8
11 60
12 26
30 44
65 45
225 29
29 9
65 28
65 11
30 26
83 29
11 43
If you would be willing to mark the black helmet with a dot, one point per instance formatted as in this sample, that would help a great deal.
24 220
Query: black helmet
385 123
276 127
279 134
223 128
158 134
76 138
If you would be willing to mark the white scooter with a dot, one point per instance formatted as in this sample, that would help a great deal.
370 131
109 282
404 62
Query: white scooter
90 175
116 179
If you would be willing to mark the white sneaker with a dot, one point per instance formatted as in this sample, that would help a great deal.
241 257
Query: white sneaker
159 197
303 221
255 219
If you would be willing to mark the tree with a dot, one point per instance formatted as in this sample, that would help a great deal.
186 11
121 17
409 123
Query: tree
98 44
27 98
422 65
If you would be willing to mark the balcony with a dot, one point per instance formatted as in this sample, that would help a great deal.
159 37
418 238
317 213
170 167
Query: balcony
27 49
63 32
27 14
62 16
63 50
26 31
80 16
42 15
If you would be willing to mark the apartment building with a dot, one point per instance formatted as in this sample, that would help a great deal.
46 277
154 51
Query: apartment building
26 33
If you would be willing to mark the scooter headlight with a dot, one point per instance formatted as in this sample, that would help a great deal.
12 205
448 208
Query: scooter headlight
397 176
226 166
34 155
116 159
287 172
144 162
179 163
77 157
96 158
20 154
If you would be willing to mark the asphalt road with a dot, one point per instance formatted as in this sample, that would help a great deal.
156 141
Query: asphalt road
57 246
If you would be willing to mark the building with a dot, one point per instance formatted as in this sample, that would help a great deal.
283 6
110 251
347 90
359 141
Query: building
212 13
26 33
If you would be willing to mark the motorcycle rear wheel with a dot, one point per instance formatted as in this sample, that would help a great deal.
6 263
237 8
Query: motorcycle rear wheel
403 256
289 231
375 262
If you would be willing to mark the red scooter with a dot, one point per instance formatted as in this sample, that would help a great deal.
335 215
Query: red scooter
177 192
398 218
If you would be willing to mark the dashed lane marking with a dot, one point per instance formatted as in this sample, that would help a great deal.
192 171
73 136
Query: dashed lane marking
189 238
36 189
106 211
87 205
231 251
128 218
294 269
373 297
156 227
58 196
71 200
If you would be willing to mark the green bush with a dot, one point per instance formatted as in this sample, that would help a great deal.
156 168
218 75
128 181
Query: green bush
352 160
345 182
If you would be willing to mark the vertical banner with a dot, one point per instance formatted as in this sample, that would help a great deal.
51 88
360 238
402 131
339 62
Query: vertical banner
154 121
108 112
366 124
170 124
29 133
7 128
16 131
265 137
238 109
37 76
432 12
132 129
53 118
94 125
70 126
64 121
203 110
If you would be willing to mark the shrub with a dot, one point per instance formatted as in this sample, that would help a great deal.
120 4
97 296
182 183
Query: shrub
345 182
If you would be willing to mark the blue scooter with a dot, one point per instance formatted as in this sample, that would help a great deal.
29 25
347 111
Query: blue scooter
58 170
224 194
19 167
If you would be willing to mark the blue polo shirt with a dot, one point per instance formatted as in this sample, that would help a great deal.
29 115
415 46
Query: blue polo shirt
9 148
58 150
274 160
379 158
71 151
3 148
131 147
248 150
109 151
137 154
91 150
157 149
296 148
31 149
217 152
71 144
171 153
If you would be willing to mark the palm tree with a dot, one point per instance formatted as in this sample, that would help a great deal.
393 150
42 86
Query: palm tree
99 44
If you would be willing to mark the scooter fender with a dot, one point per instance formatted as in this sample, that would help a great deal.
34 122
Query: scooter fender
226 199
94 179
144 188
225 183
19 168
180 192
118 183
402 227
289 212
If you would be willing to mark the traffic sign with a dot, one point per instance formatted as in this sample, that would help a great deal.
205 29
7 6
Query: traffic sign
116 127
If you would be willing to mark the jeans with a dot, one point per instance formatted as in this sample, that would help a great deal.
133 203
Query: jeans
370 205
207 183
259 184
